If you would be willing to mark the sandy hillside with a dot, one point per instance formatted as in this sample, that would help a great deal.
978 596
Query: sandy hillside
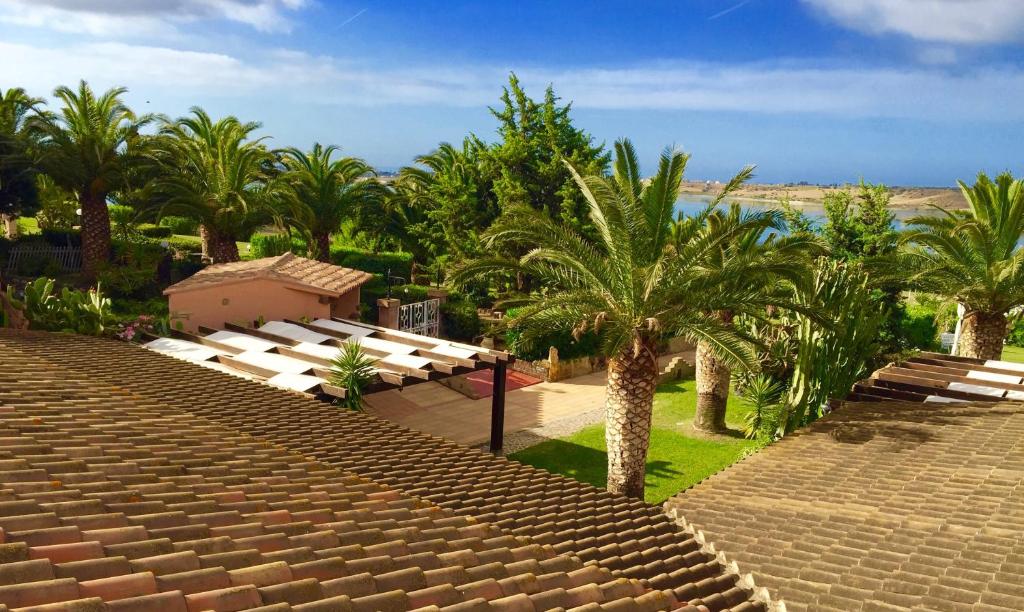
903 197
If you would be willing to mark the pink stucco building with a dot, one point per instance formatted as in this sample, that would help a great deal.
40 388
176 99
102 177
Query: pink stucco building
272 288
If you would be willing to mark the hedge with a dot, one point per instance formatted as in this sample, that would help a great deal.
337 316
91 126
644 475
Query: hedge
155 231
589 345
400 264
272 245
62 237
181 225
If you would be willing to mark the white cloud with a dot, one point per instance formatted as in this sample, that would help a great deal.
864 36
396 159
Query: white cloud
141 18
949 21
299 79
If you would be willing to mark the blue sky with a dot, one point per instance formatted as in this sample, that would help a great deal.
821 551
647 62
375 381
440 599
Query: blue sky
900 91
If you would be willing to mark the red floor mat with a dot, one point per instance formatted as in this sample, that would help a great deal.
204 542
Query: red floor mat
482 381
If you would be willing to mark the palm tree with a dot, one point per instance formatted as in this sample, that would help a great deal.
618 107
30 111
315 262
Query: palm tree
452 186
775 264
974 257
17 172
329 191
628 285
88 148
214 172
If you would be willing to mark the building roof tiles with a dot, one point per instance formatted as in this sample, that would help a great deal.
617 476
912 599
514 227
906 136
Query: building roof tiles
145 499
194 513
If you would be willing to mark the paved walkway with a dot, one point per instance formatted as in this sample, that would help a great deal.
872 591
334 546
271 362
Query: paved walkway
435 409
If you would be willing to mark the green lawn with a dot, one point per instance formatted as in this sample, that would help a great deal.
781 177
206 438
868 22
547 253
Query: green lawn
1013 353
677 459
28 225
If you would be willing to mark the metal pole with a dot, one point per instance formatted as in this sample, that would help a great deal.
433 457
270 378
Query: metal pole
498 407
388 282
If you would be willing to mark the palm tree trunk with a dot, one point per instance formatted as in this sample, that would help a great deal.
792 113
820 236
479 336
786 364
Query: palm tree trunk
204 239
222 247
629 397
323 246
982 335
10 226
713 377
12 315
95 233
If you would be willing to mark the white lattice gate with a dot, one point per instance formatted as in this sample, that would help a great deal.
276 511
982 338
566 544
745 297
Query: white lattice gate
422 318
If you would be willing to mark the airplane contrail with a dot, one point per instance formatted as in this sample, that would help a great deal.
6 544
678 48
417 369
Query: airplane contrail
353 18
729 10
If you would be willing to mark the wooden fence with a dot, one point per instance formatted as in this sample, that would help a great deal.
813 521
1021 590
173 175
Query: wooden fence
69 257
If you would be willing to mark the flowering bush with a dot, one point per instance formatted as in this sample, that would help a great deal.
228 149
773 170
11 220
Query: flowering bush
129 330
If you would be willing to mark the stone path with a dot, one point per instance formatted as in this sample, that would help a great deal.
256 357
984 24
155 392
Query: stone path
537 412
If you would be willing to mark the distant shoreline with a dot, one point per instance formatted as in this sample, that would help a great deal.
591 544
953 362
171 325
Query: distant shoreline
903 198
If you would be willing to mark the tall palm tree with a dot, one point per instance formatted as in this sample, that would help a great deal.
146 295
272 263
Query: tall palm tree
972 256
628 286
17 172
329 191
215 173
775 263
88 148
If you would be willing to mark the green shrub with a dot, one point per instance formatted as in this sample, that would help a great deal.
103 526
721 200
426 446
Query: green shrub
918 329
154 231
589 345
134 270
62 237
272 245
5 249
1015 335
376 289
83 312
185 226
123 221
400 264
460 321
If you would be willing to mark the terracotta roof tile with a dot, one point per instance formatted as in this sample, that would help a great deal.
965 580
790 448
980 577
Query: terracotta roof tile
904 506
298 271
170 510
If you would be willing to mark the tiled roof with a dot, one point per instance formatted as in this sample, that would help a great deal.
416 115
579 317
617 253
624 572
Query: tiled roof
879 506
299 271
940 378
626 538
112 501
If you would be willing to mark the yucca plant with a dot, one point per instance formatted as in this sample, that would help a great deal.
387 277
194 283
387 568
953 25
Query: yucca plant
762 397
352 370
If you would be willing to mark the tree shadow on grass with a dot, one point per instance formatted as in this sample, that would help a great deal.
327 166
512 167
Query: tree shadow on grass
585 463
